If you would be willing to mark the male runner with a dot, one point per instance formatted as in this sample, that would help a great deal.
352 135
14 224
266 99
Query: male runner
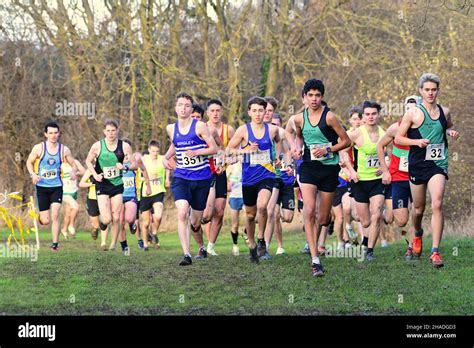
44 166
425 129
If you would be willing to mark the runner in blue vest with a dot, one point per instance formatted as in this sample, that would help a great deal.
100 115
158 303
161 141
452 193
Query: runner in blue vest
254 141
192 143
44 166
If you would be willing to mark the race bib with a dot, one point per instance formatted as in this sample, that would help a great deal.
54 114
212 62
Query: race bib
260 157
191 161
403 166
48 174
155 182
69 185
128 182
372 161
111 172
319 146
435 152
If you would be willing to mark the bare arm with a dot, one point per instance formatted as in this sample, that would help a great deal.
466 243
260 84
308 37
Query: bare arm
383 143
83 183
401 136
450 131
80 168
146 177
72 162
205 135
33 156
92 156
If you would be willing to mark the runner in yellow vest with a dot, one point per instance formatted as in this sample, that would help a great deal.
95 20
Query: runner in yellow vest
366 174
70 198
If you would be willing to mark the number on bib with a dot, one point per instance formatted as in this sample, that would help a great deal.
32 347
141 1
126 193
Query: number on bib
435 152
191 161
260 157
372 161
128 182
111 172
49 174
403 166
155 182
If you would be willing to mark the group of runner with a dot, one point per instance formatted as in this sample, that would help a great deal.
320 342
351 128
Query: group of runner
349 174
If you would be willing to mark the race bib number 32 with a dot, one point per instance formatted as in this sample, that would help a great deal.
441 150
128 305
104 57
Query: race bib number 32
435 152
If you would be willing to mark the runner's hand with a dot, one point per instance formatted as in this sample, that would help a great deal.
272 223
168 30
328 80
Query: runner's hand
98 177
167 183
423 143
191 153
354 176
168 164
119 166
35 178
453 134
386 178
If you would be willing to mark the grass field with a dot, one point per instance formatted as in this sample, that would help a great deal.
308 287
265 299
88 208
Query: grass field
80 279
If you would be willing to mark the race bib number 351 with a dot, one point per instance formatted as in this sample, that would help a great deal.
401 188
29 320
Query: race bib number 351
435 152
191 161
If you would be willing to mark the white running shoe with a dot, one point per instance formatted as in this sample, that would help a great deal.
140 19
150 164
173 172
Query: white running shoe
64 233
211 251
72 231
347 245
384 244
235 250
280 251
340 245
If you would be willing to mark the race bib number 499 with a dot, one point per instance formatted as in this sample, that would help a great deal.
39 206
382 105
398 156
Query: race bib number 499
435 152
49 174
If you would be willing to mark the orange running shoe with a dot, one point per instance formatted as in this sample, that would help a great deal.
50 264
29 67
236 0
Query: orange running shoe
436 261
417 246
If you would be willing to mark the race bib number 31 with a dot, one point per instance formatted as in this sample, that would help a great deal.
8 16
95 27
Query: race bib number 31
435 152
260 157
111 172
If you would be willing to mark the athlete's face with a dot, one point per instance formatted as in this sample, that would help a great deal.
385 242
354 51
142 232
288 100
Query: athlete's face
371 116
355 120
313 99
154 151
184 107
257 113
269 112
110 132
52 134
196 115
429 91
214 113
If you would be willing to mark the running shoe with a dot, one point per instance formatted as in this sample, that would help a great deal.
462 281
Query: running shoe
417 246
54 247
384 244
305 249
64 233
370 256
140 244
202 254
280 251
317 270
186 261
133 228
211 251
95 233
436 261
409 254
72 231
235 250
266 256
254 255
261 248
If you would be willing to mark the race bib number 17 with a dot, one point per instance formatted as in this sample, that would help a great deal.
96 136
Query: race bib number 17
372 162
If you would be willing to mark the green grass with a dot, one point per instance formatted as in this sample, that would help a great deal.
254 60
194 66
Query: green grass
81 279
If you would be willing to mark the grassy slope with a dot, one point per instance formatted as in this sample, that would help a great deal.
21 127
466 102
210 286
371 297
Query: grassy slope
151 283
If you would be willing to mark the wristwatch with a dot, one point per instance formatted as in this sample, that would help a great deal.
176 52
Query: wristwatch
329 152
